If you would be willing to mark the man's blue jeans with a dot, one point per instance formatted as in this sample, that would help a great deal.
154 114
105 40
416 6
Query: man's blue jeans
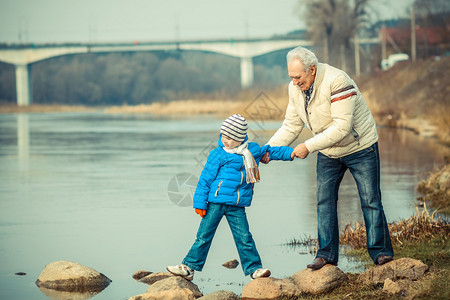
237 220
364 165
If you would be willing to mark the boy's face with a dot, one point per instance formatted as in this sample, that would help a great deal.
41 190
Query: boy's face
229 143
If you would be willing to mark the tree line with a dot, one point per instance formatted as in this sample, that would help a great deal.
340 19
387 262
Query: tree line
140 77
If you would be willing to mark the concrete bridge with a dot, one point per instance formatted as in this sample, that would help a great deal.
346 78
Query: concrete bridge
23 57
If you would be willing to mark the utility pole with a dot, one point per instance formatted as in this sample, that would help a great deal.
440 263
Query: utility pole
357 60
383 42
325 49
343 62
413 34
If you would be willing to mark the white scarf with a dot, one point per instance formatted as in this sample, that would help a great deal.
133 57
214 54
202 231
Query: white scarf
251 167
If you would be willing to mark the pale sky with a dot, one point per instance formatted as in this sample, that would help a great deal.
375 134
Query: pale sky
43 21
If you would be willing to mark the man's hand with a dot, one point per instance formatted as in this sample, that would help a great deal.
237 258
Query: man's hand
201 212
301 151
265 159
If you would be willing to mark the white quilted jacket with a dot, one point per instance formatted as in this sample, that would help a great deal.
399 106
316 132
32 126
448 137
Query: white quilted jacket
338 116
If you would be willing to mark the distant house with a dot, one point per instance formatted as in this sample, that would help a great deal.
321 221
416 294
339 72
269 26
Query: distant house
430 35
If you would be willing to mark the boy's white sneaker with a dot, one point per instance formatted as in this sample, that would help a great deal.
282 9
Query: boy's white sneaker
260 273
181 270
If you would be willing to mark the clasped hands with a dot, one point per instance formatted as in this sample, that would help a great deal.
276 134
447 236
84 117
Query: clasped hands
300 151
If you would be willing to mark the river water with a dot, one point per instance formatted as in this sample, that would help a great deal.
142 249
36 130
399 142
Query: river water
113 192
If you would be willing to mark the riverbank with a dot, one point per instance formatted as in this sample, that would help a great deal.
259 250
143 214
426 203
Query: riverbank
424 237
182 107
420 269
411 95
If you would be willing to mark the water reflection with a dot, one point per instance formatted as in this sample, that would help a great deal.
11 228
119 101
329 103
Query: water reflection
23 137
61 295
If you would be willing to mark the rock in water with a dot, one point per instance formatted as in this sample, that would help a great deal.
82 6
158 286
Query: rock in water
269 288
178 294
232 264
174 283
138 275
220 295
154 277
72 277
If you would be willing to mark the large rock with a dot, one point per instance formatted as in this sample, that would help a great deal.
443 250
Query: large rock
174 283
179 294
154 277
320 281
71 277
270 288
220 295
403 268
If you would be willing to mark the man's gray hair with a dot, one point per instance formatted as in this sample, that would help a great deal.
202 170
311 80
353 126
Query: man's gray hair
305 56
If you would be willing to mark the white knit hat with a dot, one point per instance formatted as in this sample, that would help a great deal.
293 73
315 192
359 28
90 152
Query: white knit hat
235 127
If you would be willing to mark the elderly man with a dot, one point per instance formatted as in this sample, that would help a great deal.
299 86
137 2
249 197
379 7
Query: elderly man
329 103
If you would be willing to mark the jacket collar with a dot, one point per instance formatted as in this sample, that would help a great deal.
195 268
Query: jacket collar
320 73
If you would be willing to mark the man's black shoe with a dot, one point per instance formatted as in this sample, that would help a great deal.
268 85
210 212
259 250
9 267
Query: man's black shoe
382 259
318 263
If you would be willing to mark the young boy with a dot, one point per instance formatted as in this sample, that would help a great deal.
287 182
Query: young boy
225 188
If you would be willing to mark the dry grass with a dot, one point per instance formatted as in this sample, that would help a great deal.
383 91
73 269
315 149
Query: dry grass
182 107
308 244
423 226
253 104
436 189
41 108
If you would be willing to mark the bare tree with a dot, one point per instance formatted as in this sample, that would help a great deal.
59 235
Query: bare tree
333 23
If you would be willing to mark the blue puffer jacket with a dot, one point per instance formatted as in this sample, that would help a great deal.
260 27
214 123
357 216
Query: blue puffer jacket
223 180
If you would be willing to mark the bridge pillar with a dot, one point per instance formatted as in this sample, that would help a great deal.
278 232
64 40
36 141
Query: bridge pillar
23 84
246 72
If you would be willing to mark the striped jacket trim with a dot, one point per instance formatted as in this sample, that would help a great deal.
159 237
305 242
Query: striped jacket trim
342 90
343 93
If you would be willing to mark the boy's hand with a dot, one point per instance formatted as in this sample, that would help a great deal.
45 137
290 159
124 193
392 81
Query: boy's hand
201 212
292 155
265 159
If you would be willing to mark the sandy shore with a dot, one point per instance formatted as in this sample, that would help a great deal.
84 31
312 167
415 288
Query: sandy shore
182 107
262 107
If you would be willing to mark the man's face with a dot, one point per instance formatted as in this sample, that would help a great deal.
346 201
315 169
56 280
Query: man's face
299 77
229 143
